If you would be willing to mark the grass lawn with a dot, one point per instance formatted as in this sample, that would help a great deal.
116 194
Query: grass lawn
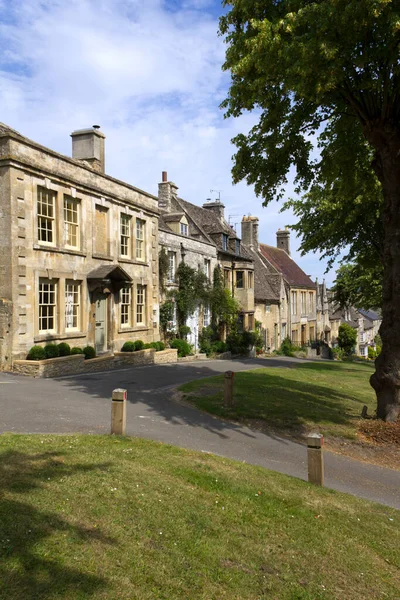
327 397
118 518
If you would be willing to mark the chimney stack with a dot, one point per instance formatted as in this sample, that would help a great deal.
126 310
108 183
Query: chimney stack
250 232
283 240
216 207
88 146
167 190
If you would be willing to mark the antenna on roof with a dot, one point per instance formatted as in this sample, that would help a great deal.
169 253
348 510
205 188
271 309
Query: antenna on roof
217 192
235 223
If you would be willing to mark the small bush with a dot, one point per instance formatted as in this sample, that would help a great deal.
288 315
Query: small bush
139 345
371 353
287 347
161 346
76 350
36 353
89 352
64 349
128 347
337 353
156 345
147 346
184 331
218 347
51 351
182 346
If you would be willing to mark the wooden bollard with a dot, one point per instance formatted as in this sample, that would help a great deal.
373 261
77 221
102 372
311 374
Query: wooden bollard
315 452
118 412
228 388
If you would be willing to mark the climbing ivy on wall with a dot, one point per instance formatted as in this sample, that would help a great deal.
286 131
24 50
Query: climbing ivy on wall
162 269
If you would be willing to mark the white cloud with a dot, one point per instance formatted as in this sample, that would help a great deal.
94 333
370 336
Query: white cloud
149 75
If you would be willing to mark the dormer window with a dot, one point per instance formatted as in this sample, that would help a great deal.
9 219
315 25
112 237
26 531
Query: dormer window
237 246
183 229
224 242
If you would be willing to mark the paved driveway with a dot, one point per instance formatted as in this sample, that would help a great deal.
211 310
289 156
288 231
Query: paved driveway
82 404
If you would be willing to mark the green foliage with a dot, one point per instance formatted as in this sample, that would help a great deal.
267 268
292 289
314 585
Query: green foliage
76 350
128 347
239 342
193 288
89 352
158 346
356 285
184 331
347 338
51 351
64 349
163 267
36 353
224 307
166 314
371 353
184 349
139 345
218 347
337 353
287 347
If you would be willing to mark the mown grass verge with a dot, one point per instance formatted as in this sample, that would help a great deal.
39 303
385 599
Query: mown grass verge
108 518
294 400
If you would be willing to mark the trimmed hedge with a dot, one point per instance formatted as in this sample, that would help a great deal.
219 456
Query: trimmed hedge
76 350
128 347
36 353
51 351
89 352
64 349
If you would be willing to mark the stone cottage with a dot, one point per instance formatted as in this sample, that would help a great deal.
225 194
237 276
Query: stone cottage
286 296
183 241
79 249
202 236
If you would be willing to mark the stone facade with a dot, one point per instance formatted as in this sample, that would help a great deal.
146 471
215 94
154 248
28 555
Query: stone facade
201 238
71 239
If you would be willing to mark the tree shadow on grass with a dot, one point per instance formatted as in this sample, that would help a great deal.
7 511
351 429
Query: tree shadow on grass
26 570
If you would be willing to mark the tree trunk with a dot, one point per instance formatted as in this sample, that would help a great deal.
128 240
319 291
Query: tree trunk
386 379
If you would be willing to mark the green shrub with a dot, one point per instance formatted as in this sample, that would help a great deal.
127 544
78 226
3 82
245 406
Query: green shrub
184 331
182 346
161 346
139 345
158 346
206 338
76 350
36 353
51 351
64 349
337 353
371 353
147 346
218 347
378 350
347 338
287 347
128 347
89 352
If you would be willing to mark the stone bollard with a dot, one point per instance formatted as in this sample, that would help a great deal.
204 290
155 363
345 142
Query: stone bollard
315 443
228 389
118 412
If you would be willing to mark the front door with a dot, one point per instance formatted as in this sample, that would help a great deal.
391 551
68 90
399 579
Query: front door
101 324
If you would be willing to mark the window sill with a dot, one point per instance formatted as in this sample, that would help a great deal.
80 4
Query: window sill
103 257
47 337
133 329
58 250
132 261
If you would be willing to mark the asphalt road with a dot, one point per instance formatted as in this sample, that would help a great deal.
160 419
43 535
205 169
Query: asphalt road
82 404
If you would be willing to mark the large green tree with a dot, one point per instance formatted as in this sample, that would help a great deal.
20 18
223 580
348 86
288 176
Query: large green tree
326 73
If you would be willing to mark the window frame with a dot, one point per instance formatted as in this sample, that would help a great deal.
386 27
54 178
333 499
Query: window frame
78 315
128 312
141 295
225 242
125 235
77 225
45 217
140 250
54 305
250 276
171 268
239 287
184 229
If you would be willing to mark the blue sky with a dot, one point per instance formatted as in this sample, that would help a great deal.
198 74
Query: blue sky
149 72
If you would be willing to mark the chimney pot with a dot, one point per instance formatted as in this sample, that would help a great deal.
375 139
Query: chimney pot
164 177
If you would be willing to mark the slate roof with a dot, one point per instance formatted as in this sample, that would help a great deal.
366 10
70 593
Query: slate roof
109 271
267 287
210 226
284 264
371 315
173 217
